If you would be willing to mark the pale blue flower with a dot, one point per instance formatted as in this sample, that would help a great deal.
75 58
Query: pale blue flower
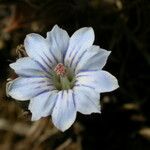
62 75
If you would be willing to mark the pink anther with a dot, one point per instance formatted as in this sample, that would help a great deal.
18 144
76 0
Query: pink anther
60 69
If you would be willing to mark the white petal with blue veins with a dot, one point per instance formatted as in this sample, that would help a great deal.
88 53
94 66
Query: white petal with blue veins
28 67
94 58
38 49
101 81
59 41
64 112
87 100
79 42
42 105
27 88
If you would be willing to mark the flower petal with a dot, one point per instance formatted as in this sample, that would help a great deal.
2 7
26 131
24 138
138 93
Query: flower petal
101 81
94 58
64 112
39 49
79 42
87 100
27 67
27 88
59 40
42 105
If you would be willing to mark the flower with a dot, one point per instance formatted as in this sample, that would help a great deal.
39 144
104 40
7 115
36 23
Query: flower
62 75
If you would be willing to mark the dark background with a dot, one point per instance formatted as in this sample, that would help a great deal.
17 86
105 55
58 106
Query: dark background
122 26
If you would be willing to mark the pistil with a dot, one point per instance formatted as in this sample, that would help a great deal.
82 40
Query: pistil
62 77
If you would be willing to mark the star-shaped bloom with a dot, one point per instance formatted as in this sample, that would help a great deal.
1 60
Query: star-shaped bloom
62 75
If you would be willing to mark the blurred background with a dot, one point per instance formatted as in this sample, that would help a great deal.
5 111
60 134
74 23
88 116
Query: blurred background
122 26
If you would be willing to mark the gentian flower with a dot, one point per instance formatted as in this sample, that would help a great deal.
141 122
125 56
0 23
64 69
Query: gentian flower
62 75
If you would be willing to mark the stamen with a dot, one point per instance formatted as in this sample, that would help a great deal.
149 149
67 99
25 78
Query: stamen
63 79
60 69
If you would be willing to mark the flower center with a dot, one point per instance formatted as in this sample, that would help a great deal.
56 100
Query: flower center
63 77
60 69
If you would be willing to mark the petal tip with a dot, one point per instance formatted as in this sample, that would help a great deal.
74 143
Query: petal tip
30 35
109 52
33 118
8 85
56 27
63 128
90 29
12 65
115 83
